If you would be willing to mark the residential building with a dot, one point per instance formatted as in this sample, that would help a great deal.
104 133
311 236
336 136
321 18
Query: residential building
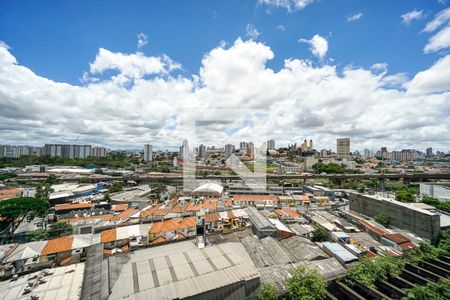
343 148
229 149
201 151
429 152
148 153
271 144
99 151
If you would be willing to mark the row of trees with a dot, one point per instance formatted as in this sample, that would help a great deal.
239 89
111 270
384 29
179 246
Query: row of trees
441 205
54 230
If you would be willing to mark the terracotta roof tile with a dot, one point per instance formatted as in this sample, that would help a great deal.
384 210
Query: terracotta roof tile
119 207
125 214
159 240
231 214
58 245
108 235
79 205
212 217
397 238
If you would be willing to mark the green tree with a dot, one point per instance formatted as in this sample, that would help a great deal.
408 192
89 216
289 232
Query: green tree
15 210
435 291
267 292
305 284
38 235
115 187
59 229
441 205
4 176
382 219
404 196
368 270
319 235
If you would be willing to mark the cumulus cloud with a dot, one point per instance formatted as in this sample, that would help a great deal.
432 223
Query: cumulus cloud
434 79
281 28
300 100
318 45
354 17
413 15
252 32
289 5
132 66
142 40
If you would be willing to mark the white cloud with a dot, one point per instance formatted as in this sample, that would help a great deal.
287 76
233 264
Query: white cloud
319 45
142 40
441 18
439 41
289 5
408 17
300 100
354 17
433 80
252 32
131 66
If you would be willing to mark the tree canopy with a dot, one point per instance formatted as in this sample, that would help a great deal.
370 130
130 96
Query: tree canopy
382 219
267 292
404 196
305 284
319 235
59 229
441 205
16 209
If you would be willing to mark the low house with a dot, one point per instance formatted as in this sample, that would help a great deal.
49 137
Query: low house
282 230
61 209
261 226
397 241
289 216
171 230
8 194
122 239
258 201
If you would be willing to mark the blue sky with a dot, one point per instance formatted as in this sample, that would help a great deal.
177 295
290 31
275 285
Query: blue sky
57 39
375 71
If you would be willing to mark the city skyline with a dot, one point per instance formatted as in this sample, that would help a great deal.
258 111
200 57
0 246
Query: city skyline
286 81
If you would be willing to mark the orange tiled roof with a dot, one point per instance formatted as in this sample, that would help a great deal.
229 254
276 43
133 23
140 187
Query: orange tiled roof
372 228
119 207
172 225
108 235
103 217
74 205
212 217
58 245
5 194
304 197
180 236
159 240
209 204
125 214
192 207
255 198
231 214
229 203
289 212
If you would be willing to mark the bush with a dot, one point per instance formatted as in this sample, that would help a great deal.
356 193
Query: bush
382 219
368 270
319 235
305 284
404 196
267 292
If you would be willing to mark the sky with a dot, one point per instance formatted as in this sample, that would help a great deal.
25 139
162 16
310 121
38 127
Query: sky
121 74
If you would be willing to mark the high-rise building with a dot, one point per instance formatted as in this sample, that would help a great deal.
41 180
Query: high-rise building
323 153
271 144
184 150
367 153
99 151
148 153
250 147
229 149
343 148
68 151
243 145
384 152
201 151
311 145
429 152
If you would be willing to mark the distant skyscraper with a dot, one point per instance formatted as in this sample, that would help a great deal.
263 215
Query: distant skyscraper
367 153
99 151
343 148
69 151
201 151
243 145
229 149
384 152
311 145
184 149
271 144
429 152
324 153
148 153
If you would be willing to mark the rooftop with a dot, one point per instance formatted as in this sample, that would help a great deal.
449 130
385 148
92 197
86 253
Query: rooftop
181 270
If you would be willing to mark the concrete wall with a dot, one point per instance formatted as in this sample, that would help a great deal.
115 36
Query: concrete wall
425 225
